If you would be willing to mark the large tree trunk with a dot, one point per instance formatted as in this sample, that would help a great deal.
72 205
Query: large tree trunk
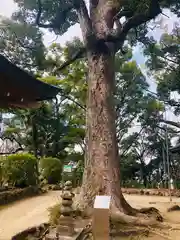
102 165
102 170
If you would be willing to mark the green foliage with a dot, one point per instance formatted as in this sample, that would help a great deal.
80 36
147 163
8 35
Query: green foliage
129 168
22 44
51 169
136 6
164 62
20 170
129 82
59 13
56 125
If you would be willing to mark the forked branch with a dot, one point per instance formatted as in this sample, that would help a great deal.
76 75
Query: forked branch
118 37
84 19
85 24
133 22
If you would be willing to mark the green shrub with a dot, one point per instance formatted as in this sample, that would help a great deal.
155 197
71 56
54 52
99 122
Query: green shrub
51 169
20 170
12 195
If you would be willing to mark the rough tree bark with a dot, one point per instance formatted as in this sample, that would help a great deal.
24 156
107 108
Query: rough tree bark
102 170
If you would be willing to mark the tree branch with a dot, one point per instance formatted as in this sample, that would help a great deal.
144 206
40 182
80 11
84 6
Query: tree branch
134 22
85 23
130 145
82 12
175 124
76 56
171 130
124 13
120 133
17 38
72 100
59 19
22 44
84 20
169 59
117 37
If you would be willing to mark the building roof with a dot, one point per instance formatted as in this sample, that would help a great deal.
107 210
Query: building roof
20 89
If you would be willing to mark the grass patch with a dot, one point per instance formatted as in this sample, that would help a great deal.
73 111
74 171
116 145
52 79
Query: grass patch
54 214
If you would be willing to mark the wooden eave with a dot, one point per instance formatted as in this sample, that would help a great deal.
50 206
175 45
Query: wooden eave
20 89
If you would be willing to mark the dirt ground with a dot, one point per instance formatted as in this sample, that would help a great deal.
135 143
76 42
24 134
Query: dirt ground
33 211
23 214
170 218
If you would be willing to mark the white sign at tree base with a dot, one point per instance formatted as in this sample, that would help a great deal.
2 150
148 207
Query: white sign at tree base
100 224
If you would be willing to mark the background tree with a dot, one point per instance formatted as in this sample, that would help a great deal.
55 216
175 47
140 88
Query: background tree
164 62
51 169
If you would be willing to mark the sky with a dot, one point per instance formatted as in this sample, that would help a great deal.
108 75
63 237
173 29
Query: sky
165 24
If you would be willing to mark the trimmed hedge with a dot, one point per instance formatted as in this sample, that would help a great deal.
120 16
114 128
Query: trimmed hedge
20 170
18 194
51 169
